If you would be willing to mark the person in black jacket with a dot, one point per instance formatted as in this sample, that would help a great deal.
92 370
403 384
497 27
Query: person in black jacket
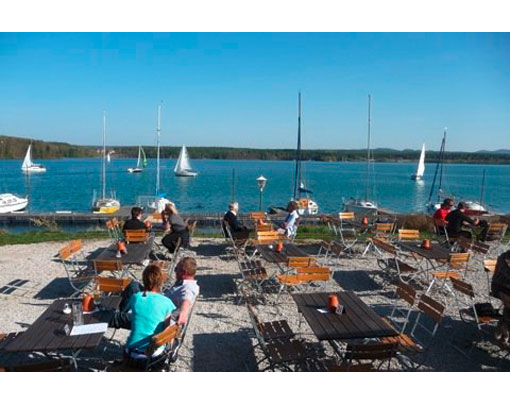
457 218
135 223
237 228
500 288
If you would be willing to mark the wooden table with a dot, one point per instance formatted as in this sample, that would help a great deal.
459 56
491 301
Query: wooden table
358 320
289 250
47 333
136 252
435 252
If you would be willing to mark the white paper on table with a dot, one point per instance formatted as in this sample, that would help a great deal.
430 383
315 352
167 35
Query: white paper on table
89 329
323 311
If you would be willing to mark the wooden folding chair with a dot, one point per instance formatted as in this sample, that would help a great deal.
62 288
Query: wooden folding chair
136 236
113 266
496 234
257 215
79 276
455 268
254 273
299 262
113 228
391 261
408 294
298 281
346 231
408 234
356 355
111 285
489 267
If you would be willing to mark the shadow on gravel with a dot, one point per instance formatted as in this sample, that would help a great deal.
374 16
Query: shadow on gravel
57 288
357 281
215 286
210 250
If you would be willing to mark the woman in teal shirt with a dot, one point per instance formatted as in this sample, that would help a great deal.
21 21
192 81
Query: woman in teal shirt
150 310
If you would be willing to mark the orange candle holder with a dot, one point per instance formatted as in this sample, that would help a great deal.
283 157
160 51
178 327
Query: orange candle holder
88 303
279 247
364 221
332 303
425 244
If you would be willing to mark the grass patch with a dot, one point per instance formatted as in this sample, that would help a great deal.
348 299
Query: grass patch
31 237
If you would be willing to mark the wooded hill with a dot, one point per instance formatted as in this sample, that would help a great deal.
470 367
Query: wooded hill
15 148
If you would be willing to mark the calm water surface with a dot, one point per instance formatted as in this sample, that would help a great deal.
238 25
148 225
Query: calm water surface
69 184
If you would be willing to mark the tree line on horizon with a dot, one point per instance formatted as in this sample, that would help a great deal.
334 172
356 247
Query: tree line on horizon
15 148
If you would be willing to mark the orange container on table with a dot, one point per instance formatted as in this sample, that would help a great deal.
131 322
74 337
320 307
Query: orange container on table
425 244
332 302
88 303
122 247
148 224
364 221
279 247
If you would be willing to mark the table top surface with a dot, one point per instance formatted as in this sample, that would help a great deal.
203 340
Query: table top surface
47 332
136 252
435 252
358 320
289 250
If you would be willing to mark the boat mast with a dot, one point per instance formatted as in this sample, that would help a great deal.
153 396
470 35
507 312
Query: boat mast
443 145
367 193
103 177
439 162
157 142
482 190
297 178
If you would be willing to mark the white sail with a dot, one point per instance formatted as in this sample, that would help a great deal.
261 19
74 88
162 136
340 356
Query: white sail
27 163
182 164
139 153
420 170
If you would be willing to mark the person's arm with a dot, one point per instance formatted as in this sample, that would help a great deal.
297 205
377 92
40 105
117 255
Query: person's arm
466 218
184 311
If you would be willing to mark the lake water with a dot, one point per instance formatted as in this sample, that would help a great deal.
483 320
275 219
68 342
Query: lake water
69 183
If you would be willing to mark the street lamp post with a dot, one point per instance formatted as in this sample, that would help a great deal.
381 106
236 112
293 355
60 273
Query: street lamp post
261 182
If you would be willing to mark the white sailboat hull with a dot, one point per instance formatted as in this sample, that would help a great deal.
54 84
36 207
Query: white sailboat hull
12 203
135 170
361 208
34 169
416 177
185 173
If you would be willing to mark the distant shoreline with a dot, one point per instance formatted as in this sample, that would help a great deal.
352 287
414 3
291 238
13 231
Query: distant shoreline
14 148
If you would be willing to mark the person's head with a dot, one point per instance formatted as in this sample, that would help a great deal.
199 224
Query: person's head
153 278
136 213
186 268
461 206
292 206
170 209
448 203
233 206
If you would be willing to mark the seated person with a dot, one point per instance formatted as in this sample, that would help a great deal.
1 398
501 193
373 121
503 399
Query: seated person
440 215
500 288
185 290
150 311
289 225
457 218
177 226
135 223
237 228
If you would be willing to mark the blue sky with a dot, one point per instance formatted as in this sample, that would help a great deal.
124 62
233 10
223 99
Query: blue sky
240 89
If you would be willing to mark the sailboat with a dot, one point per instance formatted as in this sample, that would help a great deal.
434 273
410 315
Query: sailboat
12 203
420 170
104 205
365 207
142 159
476 208
306 206
29 166
433 206
183 167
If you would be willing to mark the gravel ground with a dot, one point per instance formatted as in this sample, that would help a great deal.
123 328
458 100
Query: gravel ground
220 336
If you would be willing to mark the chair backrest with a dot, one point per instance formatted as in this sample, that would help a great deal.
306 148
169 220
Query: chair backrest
299 262
371 351
463 287
263 227
136 236
192 227
107 265
464 243
313 270
383 227
480 248
304 278
431 308
75 246
384 245
268 233
64 253
346 215
157 216
336 248
408 234
111 285
489 265
497 230
168 335
406 292
459 261
257 215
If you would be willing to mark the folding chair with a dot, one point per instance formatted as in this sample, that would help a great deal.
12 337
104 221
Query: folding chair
408 294
496 234
158 354
298 281
382 231
136 236
254 273
113 228
238 245
489 267
324 250
390 261
455 267
263 227
79 277
299 262
113 266
442 232
276 343
372 352
76 247
408 234
413 350
111 286
257 215
347 228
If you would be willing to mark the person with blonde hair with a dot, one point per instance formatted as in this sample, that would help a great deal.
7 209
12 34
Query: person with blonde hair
177 226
